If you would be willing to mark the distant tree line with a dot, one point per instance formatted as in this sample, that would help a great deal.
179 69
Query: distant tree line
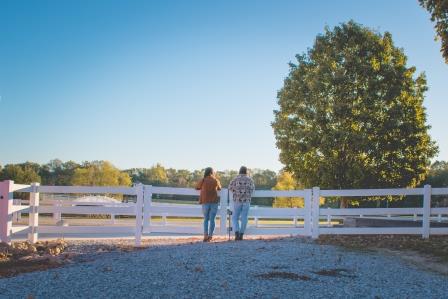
104 173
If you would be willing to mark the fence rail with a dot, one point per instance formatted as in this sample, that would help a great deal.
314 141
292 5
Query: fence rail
314 220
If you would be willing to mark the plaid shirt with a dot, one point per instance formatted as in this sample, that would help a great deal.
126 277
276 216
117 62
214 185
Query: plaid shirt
242 188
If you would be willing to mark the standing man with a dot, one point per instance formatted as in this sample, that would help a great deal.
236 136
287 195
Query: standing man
242 188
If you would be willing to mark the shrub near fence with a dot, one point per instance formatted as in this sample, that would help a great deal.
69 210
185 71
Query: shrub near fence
144 209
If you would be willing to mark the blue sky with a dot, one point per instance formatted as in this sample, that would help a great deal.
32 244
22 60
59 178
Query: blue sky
188 84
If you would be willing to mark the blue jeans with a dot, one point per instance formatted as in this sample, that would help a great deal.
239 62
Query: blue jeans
241 209
209 210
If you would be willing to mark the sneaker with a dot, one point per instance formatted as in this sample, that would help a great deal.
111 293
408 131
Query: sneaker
241 236
205 238
210 237
237 236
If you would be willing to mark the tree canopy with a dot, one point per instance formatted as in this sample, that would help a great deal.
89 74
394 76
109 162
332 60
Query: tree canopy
439 14
23 173
438 174
351 113
285 181
103 173
100 173
57 172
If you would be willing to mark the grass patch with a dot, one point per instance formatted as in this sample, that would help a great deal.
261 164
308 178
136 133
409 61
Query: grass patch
435 246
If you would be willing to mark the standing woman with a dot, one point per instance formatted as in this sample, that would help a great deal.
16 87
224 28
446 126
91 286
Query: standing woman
208 198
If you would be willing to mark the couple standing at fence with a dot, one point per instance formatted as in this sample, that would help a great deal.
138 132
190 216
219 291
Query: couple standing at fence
242 187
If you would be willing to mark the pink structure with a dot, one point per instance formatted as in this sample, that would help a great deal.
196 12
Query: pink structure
6 202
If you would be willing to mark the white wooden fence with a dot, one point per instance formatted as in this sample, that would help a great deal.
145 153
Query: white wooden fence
144 210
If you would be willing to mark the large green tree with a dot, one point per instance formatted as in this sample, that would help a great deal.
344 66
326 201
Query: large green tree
439 14
351 114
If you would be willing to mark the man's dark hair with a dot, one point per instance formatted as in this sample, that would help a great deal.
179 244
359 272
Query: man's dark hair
208 171
243 170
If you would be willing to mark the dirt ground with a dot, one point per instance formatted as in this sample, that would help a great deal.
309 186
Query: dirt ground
21 257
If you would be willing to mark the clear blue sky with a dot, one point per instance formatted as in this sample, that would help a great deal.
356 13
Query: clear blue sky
185 83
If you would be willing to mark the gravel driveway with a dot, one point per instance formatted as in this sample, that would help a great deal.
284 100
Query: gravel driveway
277 268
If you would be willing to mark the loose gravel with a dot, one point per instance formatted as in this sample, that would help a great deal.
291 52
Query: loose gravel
274 268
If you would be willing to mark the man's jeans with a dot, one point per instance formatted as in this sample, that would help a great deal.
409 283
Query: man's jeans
241 209
209 210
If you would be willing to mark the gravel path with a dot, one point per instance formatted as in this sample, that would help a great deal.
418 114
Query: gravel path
278 268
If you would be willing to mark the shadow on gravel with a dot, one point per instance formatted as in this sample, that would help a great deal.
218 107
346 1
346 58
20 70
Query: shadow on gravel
283 275
10 269
335 273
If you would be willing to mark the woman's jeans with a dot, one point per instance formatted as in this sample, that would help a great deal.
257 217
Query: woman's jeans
240 209
209 210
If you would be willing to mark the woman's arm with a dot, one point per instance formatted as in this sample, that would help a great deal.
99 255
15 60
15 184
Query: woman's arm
199 185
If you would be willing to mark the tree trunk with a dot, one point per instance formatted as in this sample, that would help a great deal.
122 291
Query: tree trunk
344 203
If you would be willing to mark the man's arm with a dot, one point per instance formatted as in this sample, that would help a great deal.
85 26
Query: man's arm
232 185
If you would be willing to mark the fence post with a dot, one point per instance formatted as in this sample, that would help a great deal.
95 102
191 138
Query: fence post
147 202
426 211
15 215
307 217
295 217
56 215
6 198
138 214
315 213
33 216
223 211
255 217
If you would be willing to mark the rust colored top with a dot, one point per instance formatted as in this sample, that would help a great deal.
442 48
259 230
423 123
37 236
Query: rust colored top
209 187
